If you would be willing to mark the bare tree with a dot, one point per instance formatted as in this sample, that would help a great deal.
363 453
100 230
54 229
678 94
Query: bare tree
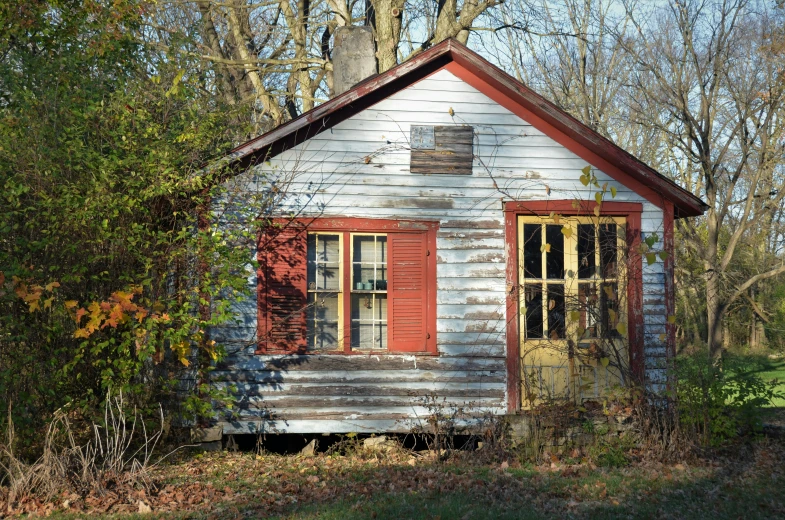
275 55
708 80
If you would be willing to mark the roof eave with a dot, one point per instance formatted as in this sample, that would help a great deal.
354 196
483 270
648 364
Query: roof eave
376 88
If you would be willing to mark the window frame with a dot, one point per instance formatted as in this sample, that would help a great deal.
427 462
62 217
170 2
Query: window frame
570 280
631 211
346 228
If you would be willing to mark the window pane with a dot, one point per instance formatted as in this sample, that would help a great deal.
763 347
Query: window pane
322 321
532 256
311 261
556 311
381 249
364 248
369 263
554 260
608 250
323 262
586 264
327 278
533 302
369 321
328 250
364 274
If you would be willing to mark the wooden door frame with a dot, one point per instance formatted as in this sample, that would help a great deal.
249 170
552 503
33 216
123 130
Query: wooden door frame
569 208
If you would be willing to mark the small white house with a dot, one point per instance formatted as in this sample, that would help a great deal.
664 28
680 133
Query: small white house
448 235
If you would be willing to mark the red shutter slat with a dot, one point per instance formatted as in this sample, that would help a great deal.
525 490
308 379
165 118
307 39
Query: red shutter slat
282 296
407 292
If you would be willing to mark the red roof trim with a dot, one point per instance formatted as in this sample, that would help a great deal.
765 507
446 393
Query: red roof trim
489 79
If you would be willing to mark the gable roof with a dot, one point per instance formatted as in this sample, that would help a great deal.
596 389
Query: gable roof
499 86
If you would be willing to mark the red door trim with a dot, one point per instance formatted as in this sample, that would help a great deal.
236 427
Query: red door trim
632 211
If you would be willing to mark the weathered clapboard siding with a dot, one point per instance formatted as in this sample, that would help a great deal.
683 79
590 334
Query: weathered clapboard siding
360 168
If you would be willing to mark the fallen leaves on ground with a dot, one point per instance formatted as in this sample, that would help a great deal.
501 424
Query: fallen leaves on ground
228 484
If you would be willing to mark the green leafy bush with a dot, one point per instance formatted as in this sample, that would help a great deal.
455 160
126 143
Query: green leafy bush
720 402
104 276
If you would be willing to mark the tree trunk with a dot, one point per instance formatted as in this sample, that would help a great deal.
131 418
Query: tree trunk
715 307
387 31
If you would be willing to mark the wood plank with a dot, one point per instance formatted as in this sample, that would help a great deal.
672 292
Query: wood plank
414 411
482 297
334 423
483 351
357 376
356 362
381 389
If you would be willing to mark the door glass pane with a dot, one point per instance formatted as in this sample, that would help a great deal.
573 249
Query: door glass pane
588 301
533 304
586 263
556 311
554 260
609 309
532 255
608 250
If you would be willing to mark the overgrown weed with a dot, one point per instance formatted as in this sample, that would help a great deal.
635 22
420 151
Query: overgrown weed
117 455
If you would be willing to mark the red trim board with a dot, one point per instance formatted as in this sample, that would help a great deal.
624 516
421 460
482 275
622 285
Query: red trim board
632 212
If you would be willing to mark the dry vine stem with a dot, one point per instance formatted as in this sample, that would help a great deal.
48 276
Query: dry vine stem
65 465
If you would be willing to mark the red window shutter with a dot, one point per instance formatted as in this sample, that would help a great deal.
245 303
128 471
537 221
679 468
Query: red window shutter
407 291
282 280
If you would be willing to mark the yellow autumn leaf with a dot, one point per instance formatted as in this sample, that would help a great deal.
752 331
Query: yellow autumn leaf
52 285
566 231
586 170
81 333
575 315
545 248
613 192
605 362
663 336
621 328
597 211
70 304
598 197
671 319
651 258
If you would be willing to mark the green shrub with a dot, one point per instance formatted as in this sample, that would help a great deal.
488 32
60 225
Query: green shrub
720 402
611 453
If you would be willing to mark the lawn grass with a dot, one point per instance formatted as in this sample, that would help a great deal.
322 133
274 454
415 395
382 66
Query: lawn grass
775 369
400 485
768 369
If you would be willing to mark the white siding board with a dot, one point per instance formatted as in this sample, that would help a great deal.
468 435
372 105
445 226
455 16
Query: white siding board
332 177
